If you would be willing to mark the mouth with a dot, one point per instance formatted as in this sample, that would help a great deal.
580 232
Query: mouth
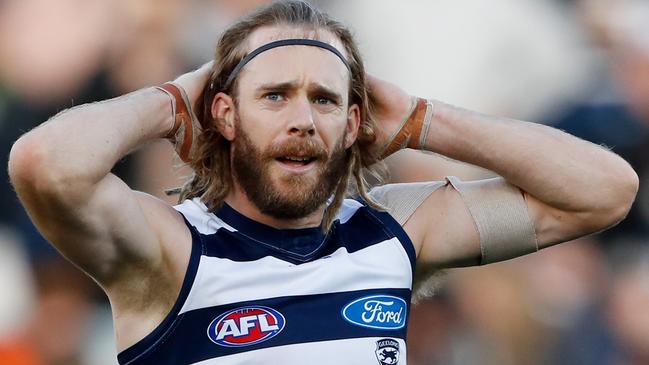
298 164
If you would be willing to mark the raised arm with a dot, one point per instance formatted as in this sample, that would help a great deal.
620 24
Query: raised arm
409 165
61 172
571 187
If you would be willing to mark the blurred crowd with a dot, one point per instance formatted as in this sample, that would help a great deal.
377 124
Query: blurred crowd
580 65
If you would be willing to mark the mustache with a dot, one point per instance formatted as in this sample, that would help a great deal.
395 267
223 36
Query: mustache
297 147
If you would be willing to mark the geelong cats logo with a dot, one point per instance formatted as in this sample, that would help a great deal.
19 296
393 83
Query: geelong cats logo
387 351
246 326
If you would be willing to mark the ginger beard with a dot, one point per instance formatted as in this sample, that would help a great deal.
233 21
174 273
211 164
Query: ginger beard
288 196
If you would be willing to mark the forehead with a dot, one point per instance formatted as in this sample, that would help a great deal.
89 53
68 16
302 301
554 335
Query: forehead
294 63
267 34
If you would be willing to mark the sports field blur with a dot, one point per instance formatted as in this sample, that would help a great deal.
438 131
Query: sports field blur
581 65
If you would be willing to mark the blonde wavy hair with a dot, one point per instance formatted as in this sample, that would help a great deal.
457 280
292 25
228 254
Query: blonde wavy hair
212 177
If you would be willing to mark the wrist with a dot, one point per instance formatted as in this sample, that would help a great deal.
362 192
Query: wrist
413 131
185 127
166 107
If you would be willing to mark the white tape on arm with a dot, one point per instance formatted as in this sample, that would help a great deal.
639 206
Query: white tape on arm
501 217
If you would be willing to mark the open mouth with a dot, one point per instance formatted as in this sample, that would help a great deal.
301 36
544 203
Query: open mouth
295 160
297 164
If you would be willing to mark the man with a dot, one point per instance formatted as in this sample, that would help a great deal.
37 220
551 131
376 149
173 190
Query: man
263 261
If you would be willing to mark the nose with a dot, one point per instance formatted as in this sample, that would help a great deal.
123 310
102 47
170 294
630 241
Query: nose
301 122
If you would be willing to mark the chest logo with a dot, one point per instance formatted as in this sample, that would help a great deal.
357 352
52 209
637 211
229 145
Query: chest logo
384 312
245 326
387 351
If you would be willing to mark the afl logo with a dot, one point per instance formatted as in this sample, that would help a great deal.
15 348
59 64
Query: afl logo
245 326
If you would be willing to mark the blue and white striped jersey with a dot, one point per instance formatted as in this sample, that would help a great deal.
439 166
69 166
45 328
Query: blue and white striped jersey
254 294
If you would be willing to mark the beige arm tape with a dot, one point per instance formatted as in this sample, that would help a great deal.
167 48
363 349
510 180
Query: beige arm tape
401 200
498 209
501 217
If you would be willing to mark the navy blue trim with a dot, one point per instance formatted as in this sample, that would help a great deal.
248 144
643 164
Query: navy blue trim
309 318
253 240
151 341
397 230
296 244
389 224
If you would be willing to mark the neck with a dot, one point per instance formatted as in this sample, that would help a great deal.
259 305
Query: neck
240 202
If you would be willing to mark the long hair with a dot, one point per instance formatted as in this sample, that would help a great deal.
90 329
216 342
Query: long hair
212 177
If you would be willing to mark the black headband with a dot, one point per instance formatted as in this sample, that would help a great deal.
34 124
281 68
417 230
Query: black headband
282 43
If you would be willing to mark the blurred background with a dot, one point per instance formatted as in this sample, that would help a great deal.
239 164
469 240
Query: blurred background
579 65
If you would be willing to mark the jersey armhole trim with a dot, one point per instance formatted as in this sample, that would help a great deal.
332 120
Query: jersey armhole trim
150 342
397 230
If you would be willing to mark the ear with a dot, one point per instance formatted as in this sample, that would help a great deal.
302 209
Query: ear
224 113
353 123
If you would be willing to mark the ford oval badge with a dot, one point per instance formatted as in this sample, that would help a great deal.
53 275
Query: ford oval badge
384 312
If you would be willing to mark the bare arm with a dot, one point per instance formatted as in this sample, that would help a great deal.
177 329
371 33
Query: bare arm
572 187
61 172
405 166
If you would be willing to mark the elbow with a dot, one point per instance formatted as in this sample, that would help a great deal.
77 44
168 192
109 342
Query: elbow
40 173
621 196
627 192
25 162
31 169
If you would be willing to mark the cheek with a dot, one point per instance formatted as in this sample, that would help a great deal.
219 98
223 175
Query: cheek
331 128
258 127
345 139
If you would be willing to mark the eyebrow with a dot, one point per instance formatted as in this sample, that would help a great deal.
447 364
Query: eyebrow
273 86
314 88
326 92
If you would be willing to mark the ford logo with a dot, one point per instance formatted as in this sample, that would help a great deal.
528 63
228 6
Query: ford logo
245 326
384 312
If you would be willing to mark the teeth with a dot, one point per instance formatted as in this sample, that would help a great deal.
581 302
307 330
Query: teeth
299 159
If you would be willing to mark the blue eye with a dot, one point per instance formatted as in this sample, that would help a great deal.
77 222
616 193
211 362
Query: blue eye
323 101
273 96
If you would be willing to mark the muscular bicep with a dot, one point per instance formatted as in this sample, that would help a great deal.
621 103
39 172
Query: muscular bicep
434 216
483 221
101 229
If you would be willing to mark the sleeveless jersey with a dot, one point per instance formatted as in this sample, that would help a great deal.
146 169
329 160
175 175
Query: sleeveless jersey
253 294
